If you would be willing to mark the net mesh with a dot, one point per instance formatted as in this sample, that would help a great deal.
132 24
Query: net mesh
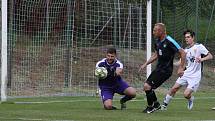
53 45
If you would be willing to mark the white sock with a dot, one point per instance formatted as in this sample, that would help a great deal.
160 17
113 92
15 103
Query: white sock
167 99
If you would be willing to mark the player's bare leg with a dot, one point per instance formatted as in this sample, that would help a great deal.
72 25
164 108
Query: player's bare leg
170 95
130 93
189 97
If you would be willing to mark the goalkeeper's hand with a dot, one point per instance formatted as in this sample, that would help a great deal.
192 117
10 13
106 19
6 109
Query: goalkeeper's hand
118 71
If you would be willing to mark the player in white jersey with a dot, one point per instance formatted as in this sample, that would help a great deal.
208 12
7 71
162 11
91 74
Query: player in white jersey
195 55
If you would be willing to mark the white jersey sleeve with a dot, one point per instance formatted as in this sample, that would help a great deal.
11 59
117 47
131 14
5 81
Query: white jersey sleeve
203 49
99 62
120 64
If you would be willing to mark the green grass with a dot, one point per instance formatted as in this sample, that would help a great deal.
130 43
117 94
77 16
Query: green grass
90 109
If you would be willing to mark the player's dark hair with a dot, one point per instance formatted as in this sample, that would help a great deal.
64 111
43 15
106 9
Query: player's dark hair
188 31
111 50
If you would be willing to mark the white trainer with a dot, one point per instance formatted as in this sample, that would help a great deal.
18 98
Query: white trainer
163 107
190 103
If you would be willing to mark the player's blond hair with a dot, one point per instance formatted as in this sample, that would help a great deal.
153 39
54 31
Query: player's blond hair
162 26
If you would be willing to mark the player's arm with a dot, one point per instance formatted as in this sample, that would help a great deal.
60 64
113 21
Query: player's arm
177 48
207 57
177 63
151 60
182 63
99 63
119 71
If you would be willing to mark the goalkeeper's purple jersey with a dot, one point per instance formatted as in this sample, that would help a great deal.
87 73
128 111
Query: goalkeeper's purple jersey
111 79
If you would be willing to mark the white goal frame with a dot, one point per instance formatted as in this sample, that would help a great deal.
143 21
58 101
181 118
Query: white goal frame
4 51
4 47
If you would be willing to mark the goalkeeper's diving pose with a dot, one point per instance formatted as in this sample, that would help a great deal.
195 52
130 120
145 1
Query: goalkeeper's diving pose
114 83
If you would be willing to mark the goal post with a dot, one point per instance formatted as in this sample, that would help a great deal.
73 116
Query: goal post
149 34
4 50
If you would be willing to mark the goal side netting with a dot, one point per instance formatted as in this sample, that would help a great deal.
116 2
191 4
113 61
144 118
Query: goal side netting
53 45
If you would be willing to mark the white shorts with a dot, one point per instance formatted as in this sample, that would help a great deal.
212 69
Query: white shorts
192 83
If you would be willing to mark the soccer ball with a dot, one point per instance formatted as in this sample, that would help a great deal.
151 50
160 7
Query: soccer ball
101 72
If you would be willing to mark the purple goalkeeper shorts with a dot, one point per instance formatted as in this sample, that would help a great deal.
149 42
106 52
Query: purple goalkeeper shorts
107 92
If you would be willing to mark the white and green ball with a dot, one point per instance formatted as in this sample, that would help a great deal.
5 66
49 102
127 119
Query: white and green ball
101 72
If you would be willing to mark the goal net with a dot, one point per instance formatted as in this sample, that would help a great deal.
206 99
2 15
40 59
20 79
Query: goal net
53 45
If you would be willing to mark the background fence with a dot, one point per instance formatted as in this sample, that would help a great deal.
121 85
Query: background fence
55 44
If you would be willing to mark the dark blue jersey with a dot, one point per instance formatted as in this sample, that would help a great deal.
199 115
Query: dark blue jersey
166 50
111 78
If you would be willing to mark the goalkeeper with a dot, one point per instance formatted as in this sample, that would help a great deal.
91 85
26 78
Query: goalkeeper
114 83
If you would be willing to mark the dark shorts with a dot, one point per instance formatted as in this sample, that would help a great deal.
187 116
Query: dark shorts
157 78
107 92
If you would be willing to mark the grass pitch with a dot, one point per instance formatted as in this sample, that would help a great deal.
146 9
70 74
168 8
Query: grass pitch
90 109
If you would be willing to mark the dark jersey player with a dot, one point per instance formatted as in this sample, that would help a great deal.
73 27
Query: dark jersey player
165 50
114 83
